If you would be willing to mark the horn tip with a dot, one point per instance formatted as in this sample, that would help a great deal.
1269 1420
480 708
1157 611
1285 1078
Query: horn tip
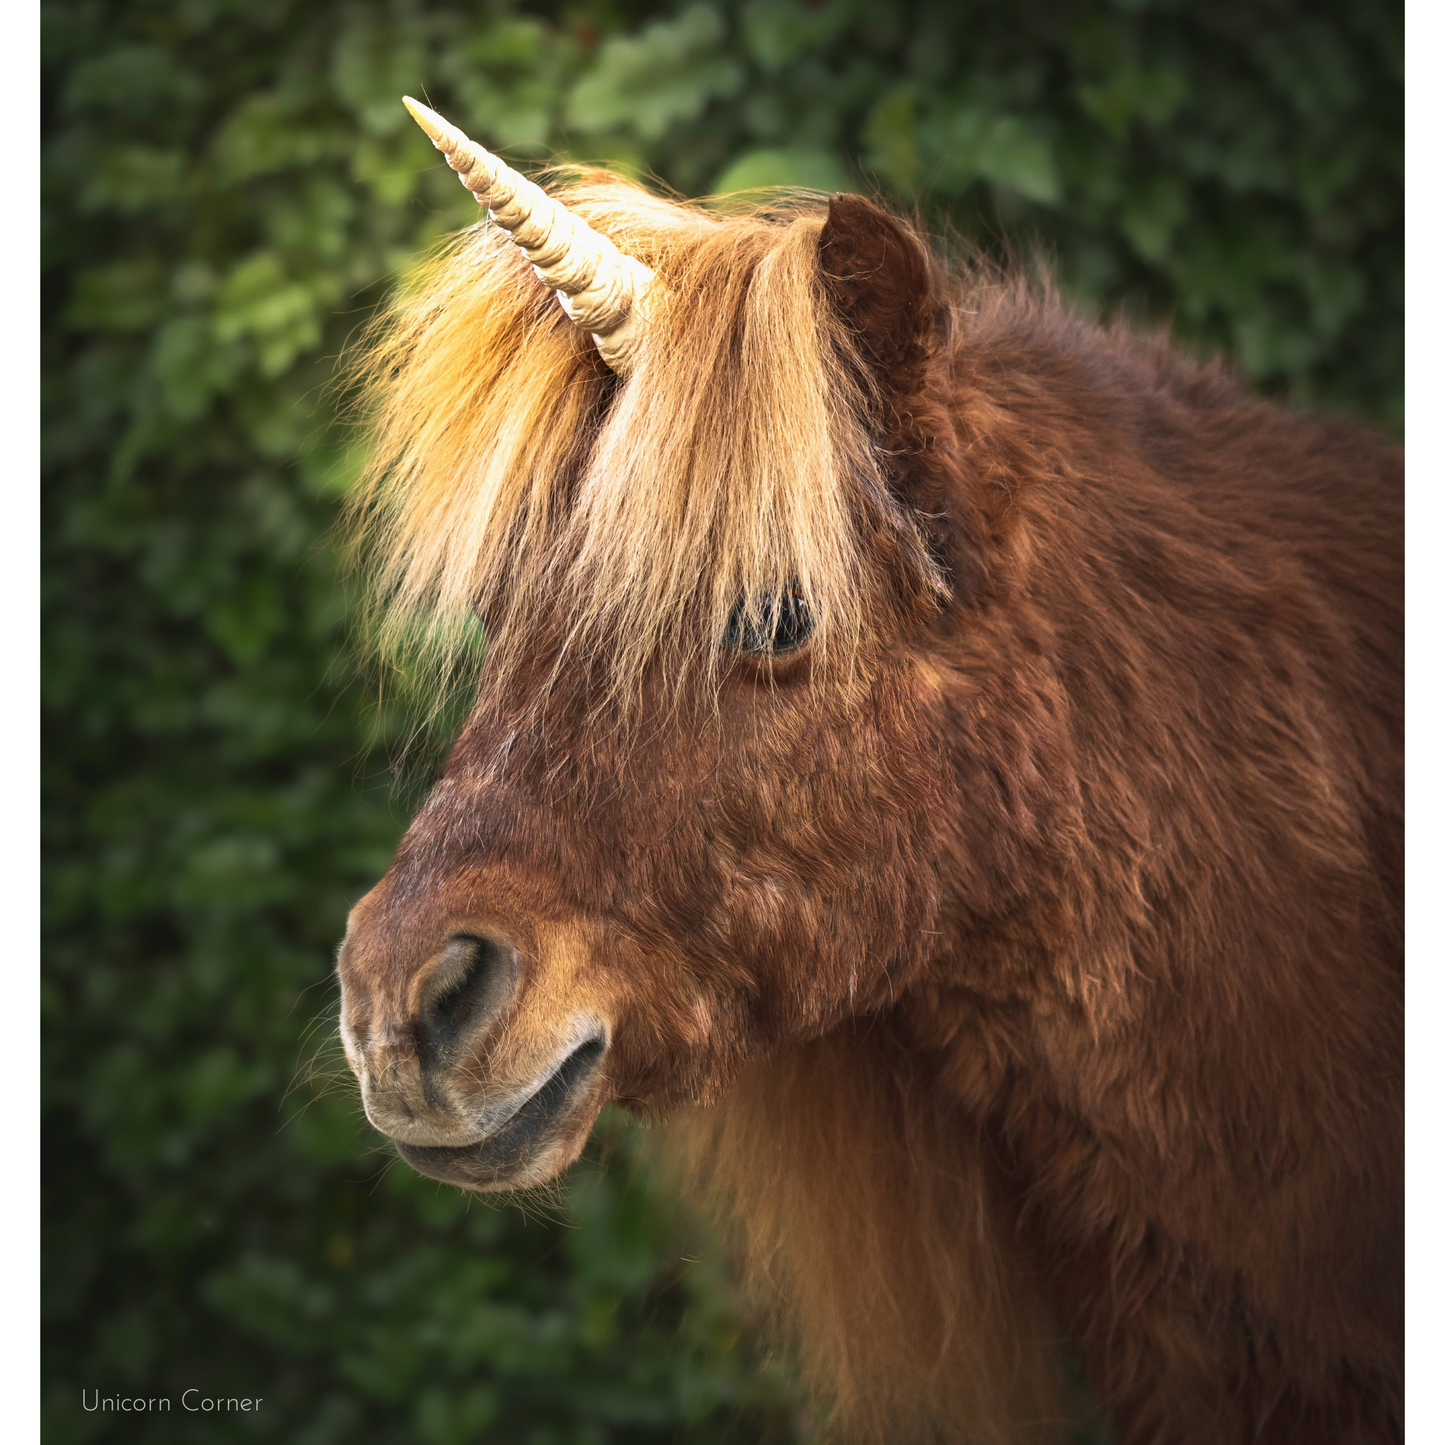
426 118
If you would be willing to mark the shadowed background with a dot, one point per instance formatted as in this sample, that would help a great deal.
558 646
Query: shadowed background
230 188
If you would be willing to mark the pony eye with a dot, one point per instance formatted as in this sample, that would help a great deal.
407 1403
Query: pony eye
783 624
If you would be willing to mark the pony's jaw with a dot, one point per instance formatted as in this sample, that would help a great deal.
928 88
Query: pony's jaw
499 1133
541 1130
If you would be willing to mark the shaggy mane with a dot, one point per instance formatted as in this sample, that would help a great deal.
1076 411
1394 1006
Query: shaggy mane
515 479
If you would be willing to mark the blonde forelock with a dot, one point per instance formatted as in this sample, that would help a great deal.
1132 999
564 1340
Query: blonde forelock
511 474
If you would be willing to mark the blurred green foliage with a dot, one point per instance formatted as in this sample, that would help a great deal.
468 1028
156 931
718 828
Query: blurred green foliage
230 186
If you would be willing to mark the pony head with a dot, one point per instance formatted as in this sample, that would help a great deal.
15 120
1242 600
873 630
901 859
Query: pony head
695 809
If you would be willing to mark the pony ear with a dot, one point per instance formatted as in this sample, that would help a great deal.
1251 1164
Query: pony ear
878 277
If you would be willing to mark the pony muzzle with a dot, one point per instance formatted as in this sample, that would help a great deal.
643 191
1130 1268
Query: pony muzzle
541 1135
455 1078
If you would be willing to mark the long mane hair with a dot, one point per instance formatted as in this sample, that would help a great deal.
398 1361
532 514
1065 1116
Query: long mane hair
512 478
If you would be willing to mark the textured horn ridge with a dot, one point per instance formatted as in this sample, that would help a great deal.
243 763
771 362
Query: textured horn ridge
602 290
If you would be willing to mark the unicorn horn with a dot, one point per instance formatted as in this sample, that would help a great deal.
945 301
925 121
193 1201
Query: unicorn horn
602 290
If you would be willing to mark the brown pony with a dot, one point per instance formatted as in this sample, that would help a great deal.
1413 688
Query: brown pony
941 757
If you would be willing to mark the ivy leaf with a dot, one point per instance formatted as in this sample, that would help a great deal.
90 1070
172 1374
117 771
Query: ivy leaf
258 300
666 74
778 32
800 166
1012 152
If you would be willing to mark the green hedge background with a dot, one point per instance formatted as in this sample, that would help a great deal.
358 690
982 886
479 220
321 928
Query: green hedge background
230 186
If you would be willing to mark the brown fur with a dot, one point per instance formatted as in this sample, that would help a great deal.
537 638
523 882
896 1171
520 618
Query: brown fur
877 1203
1019 961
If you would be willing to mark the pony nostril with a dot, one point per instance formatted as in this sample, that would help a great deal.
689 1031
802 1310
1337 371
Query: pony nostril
470 987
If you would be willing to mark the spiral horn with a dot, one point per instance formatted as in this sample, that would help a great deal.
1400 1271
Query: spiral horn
602 290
